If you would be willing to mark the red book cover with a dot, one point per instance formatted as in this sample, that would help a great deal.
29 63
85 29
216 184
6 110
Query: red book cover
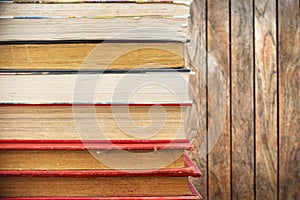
190 169
94 144
193 196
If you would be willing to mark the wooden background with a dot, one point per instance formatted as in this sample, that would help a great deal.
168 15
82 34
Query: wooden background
252 46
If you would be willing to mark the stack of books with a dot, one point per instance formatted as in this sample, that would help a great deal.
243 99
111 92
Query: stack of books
93 99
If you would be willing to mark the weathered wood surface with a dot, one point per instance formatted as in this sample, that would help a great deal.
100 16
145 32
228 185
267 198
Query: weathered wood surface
219 99
289 96
196 59
266 99
260 138
242 102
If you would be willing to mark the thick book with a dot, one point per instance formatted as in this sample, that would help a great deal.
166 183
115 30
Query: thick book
91 56
92 122
94 9
91 183
132 23
91 155
38 30
184 2
91 87
85 47
194 195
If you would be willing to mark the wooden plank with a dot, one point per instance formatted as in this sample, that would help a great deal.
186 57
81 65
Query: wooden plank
196 121
93 9
289 95
218 86
145 28
266 99
242 99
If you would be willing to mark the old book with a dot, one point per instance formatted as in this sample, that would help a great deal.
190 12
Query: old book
77 22
91 183
194 195
91 56
95 9
92 122
70 29
83 47
91 87
184 2
91 155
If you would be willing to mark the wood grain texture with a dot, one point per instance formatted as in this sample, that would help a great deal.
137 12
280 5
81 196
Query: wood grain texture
289 95
266 99
254 96
242 99
196 121
219 92
145 28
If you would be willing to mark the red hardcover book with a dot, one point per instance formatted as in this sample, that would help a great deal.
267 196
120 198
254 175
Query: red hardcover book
193 196
89 155
101 183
